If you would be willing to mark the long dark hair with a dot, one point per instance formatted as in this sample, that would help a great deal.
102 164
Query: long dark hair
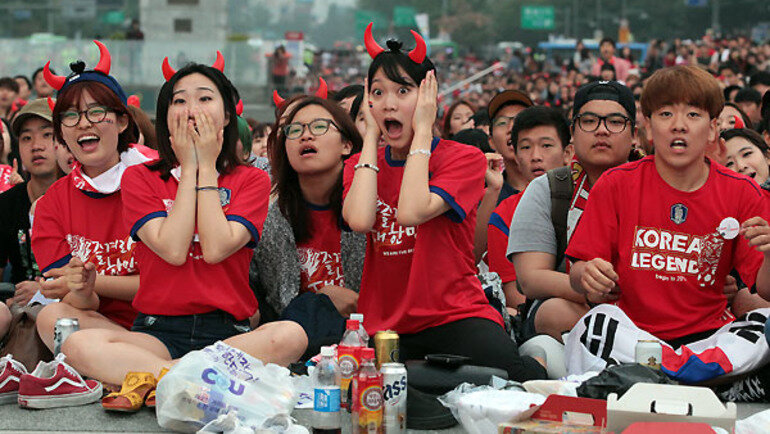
285 179
228 158
446 128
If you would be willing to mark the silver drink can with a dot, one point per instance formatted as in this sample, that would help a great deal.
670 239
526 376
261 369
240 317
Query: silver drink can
62 330
394 398
649 353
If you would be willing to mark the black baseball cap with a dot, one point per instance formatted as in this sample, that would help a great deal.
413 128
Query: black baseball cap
605 90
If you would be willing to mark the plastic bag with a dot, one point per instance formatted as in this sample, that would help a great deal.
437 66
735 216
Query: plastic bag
758 423
480 409
218 380
618 379
230 424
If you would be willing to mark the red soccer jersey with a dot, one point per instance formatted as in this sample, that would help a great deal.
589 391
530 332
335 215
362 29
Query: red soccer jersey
5 175
195 287
319 257
420 277
665 247
72 222
497 238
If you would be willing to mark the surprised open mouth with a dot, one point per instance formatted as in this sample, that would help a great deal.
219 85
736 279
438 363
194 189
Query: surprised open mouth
394 128
88 142
308 150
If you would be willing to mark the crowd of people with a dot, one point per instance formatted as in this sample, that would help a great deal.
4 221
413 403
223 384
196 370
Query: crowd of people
569 208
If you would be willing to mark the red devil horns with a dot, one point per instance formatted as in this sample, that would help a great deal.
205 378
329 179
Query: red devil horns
133 100
51 103
322 92
739 122
105 59
168 71
56 81
374 49
239 107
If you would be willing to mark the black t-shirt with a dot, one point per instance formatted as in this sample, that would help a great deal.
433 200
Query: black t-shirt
15 241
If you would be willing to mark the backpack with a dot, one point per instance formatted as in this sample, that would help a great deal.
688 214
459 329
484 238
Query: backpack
562 187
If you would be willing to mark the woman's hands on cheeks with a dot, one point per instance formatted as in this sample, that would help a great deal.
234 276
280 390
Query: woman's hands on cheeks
372 129
207 139
181 130
427 106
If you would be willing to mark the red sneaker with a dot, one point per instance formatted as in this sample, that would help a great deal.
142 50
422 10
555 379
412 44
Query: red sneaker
57 384
9 379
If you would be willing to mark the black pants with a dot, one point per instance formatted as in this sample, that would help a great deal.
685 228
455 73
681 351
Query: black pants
484 341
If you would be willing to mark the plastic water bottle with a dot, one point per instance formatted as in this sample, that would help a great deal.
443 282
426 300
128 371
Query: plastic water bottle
361 329
326 401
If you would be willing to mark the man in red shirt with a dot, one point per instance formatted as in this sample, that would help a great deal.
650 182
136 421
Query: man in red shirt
657 240
607 55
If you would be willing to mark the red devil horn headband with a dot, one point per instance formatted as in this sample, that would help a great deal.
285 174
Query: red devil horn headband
51 104
374 49
322 92
168 71
739 122
239 107
58 81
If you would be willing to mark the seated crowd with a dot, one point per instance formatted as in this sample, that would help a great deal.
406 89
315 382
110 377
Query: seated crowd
629 217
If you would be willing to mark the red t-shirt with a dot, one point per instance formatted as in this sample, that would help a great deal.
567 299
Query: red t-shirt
5 175
195 287
420 277
497 238
664 244
320 261
72 222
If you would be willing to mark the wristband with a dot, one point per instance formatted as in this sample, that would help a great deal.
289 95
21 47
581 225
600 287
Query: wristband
418 152
366 166
207 187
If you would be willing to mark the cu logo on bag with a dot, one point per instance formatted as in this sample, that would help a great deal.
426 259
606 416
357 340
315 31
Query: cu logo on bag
211 376
371 398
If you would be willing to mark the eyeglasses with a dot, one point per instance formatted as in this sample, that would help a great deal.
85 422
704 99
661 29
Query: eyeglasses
95 115
589 122
502 121
317 127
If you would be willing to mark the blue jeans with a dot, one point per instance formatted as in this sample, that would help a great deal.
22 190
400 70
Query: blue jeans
185 333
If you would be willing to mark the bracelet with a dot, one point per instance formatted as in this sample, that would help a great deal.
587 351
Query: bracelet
418 152
366 166
207 187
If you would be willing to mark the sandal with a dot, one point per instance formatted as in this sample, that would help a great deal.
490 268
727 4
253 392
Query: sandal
150 401
136 386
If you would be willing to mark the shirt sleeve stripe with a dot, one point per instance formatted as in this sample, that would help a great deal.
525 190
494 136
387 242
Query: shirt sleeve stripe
456 213
497 221
139 223
58 264
250 226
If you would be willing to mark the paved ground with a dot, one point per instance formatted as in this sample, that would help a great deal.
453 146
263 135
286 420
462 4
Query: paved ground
93 419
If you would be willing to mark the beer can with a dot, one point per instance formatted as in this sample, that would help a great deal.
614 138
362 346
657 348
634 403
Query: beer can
394 398
649 353
386 347
62 330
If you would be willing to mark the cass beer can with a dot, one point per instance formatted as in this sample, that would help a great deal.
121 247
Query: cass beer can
386 347
393 398
649 353
62 330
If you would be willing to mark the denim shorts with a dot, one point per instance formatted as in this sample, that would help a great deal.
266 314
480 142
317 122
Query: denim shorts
185 333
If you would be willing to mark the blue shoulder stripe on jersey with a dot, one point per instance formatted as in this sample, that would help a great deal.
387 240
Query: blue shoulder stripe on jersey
139 223
57 264
97 195
740 178
252 229
456 213
694 370
497 221
400 163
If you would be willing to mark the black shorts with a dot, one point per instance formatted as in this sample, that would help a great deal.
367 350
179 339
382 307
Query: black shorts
185 333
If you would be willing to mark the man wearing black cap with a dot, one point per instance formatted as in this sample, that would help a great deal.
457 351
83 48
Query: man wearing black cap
603 128
32 125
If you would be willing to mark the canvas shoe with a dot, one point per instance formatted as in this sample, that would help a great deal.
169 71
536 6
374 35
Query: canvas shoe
10 375
57 384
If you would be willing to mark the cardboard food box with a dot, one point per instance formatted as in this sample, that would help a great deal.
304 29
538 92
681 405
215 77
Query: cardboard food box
645 402
561 414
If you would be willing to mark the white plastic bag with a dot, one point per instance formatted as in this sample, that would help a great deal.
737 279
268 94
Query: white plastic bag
220 379
759 423
480 409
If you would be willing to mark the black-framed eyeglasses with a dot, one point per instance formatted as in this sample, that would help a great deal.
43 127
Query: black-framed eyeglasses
589 122
502 121
94 114
317 127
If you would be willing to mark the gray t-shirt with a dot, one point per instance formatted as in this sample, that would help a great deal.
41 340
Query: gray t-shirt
531 229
